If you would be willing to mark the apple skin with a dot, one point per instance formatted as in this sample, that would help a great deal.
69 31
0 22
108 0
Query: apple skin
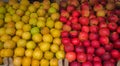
97 7
117 44
85 29
90 50
97 59
70 56
94 21
114 36
115 53
83 36
118 30
83 20
85 6
106 56
66 27
113 18
76 13
100 51
81 57
74 20
86 43
88 63
63 19
90 57
103 25
85 13
97 63
93 36
112 26
95 43
69 47
65 41
75 63
73 33
64 34
108 47
104 32
76 26
75 41
94 29
79 49
104 40
64 13
70 8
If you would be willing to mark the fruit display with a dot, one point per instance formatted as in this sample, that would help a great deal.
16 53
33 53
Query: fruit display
30 33
90 33
82 32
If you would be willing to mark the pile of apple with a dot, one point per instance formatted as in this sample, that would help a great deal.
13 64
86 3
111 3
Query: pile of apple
91 32
30 33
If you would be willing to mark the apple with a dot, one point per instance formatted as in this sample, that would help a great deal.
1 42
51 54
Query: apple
65 41
81 57
94 29
108 63
75 41
76 26
64 13
94 21
84 20
114 36
106 56
89 57
85 13
85 29
70 8
75 13
86 43
103 25
90 50
93 36
97 63
104 32
74 20
97 59
113 18
100 51
88 63
73 33
98 7
66 27
117 44
79 49
64 34
108 47
83 36
70 56
104 40
75 63
95 43
63 19
69 47
112 26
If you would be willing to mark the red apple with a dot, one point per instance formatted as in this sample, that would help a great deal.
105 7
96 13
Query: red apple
85 13
66 27
79 49
63 19
87 63
113 18
112 26
94 29
106 56
90 50
114 36
73 33
75 63
69 48
85 29
86 43
104 40
70 8
97 63
97 59
108 47
85 6
103 25
84 20
75 41
98 7
104 32
117 44
64 13
89 57
65 41
64 34
95 43
81 57
100 51
76 26
108 63
101 19
75 13
94 21
83 36
70 56
118 30
93 36
74 20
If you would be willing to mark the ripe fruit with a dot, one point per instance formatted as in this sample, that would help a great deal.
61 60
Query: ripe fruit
44 46
19 51
81 57
48 55
70 56
60 54
37 54
30 45
75 41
